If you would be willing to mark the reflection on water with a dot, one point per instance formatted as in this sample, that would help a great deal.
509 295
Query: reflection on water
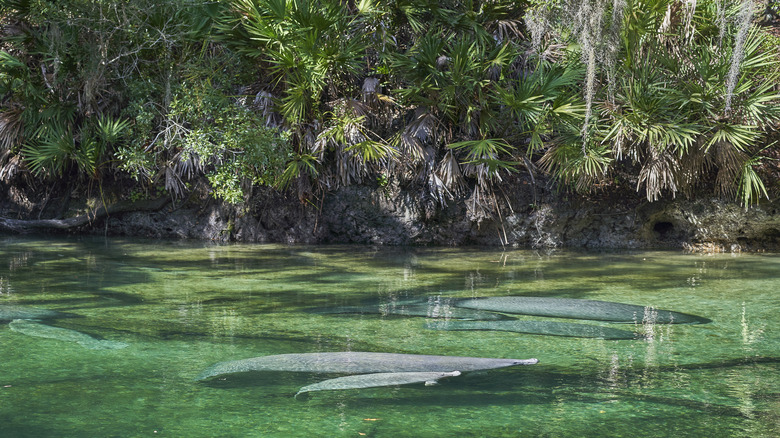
180 307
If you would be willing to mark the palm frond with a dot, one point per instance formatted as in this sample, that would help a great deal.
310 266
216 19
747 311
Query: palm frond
658 173
369 150
52 153
109 130
575 164
741 137
302 165
423 127
450 175
484 158
11 128
751 187
10 167
87 155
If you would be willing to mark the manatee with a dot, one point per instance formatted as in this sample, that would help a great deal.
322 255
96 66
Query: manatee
32 328
10 312
376 380
537 327
580 309
426 310
353 362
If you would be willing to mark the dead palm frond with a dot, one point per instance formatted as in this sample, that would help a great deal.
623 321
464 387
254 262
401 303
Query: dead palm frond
370 89
11 128
423 127
730 163
450 174
10 166
264 102
173 182
658 174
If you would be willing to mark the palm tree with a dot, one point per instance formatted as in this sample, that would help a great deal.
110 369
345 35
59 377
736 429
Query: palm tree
687 93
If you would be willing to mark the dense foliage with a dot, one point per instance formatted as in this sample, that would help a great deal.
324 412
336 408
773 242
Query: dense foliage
449 96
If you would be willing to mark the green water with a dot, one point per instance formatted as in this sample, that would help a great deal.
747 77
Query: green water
181 307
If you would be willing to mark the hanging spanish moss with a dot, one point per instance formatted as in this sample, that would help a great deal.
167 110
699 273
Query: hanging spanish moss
613 46
744 19
721 21
538 24
590 92
588 26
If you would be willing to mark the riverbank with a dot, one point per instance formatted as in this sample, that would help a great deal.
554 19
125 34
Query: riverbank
532 216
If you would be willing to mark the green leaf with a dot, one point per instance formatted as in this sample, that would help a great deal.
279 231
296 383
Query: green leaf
109 129
51 155
370 150
486 152
303 163
741 137
751 187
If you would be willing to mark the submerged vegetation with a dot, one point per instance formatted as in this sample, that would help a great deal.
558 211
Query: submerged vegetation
449 97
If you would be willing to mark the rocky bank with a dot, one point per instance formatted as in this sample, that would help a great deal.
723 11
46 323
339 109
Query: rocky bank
531 217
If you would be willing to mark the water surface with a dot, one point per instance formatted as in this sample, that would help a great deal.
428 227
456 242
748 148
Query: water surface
182 306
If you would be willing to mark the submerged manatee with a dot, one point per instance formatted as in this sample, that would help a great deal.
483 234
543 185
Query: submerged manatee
580 309
552 328
376 380
352 362
32 328
443 311
10 312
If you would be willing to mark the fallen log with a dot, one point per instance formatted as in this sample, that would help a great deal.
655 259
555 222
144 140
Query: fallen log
27 225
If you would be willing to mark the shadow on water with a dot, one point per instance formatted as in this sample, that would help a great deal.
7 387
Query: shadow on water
19 427
471 391
91 300
287 339
338 260
277 381
120 263
454 397
537 386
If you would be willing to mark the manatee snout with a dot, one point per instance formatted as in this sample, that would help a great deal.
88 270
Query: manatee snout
525 361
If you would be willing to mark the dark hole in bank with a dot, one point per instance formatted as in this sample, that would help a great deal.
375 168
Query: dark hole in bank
771 235
663 229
